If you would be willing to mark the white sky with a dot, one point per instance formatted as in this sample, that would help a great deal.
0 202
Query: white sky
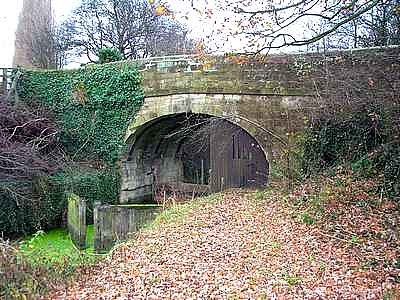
10 10
9 13
199 23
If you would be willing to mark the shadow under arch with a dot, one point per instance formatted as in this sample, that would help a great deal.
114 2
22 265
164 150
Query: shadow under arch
193 151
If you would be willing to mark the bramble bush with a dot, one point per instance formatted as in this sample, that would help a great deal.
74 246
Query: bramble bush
365 139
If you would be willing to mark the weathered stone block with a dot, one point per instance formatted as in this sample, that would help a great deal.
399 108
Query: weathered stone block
115 223
77 220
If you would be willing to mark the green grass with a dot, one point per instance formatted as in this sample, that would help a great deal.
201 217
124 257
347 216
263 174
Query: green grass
55 250
55 239
292 279
178 212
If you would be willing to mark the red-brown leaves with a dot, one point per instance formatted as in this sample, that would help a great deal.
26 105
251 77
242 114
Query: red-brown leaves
254 246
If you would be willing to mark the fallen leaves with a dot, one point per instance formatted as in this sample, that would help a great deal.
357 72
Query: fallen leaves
249 246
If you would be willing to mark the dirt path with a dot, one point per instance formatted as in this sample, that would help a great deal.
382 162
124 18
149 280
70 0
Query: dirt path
239 248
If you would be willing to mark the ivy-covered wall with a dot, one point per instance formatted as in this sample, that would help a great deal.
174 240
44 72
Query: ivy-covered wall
93 107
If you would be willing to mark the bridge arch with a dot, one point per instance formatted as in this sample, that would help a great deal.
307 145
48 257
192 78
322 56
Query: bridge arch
160 143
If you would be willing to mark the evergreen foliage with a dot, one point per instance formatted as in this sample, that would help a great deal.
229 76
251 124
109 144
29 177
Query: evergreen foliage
107 55
92 107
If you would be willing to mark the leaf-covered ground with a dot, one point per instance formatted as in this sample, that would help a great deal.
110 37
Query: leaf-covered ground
312 244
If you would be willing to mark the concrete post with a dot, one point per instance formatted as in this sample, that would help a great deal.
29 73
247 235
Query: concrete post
77 220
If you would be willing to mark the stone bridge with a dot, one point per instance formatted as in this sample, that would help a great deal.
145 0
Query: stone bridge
208 123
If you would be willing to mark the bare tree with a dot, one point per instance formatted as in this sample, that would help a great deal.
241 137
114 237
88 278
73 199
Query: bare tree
63 35
273 24
134 27
286 15
381 25
34 42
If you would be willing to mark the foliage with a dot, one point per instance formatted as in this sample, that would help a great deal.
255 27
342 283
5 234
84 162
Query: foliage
42 261
28 206
93 105
93 185
364 138
331 142
23 211
107 55
30 150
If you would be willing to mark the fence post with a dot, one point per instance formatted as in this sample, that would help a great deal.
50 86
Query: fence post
77 220
96 226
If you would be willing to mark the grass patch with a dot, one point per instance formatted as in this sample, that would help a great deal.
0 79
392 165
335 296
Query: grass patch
292 280
307 218
178 212
41 261
55 250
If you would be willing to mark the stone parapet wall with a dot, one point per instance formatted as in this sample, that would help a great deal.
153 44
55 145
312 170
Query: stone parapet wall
284 74
115 223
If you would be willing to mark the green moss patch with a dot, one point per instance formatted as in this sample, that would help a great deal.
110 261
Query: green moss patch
54 249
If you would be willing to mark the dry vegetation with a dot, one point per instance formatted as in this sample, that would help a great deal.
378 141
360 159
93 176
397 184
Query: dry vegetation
329 239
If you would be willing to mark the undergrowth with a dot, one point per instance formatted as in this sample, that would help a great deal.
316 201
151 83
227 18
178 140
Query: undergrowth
364 139
39 262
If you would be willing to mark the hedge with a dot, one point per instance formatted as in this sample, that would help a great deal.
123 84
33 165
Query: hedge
46 206
93 106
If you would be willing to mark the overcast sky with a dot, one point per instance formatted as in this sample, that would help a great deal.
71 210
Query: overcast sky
200 26
62 8
8 23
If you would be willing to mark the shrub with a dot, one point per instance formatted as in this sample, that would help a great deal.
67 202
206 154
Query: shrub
90 184
333 140
365 140
30 150
107 55
40 204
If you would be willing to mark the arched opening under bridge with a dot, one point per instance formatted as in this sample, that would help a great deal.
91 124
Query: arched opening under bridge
190 153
